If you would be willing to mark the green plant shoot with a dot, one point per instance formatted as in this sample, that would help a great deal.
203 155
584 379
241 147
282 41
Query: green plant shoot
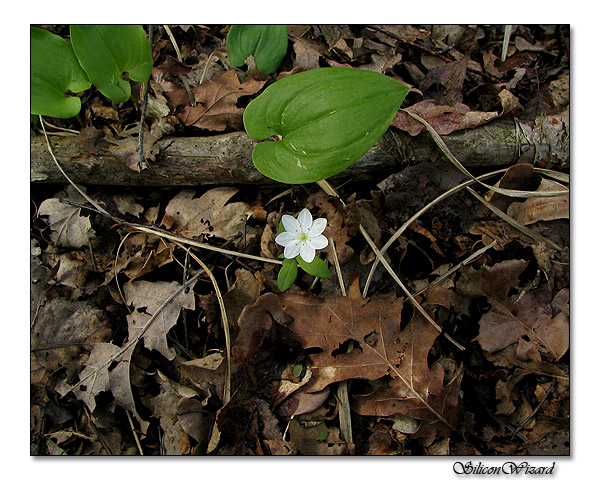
266 43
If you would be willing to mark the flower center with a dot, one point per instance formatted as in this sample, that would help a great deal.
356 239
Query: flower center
303 237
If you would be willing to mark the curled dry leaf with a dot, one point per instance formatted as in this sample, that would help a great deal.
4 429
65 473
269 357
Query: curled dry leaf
538 209
444 119
307 56
141 254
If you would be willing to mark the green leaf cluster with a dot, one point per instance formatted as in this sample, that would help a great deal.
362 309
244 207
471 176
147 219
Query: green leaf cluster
326 119
266 43
97 54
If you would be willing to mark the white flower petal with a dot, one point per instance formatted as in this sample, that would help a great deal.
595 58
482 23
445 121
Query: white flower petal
318 242
318 226
307 252
286 237
290 224
292 250
305 220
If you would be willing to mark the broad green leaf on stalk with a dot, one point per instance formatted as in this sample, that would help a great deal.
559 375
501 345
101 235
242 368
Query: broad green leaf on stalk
326 119
288 273
107 51
266 43
316 268
54 71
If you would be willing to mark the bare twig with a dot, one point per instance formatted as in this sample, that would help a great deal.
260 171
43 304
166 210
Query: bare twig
535 411
172 236
409 42
140 146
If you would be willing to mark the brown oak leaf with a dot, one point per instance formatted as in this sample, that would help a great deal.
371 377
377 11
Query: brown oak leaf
209 214
327 325
216 100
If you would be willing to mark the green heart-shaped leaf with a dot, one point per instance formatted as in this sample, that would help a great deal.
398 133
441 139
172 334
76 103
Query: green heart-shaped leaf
328 118
54 70
287 275
267 43
316 268
107 51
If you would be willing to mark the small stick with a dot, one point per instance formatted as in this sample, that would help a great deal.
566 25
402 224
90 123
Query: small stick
532 414
140 147
171 236
404 40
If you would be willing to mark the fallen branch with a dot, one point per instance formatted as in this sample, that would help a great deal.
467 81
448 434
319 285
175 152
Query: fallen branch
227 158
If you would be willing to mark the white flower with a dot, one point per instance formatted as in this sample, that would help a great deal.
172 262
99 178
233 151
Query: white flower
302 236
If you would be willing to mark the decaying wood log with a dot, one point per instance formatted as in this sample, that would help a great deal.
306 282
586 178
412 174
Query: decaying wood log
227 159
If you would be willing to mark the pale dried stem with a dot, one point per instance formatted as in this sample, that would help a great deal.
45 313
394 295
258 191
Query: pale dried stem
406 224
505 42
227 387
174 43
338 270
135 435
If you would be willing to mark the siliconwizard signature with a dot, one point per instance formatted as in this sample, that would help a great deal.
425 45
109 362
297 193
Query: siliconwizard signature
506 468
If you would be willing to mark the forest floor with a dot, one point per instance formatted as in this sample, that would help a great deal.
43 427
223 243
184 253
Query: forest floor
142 343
